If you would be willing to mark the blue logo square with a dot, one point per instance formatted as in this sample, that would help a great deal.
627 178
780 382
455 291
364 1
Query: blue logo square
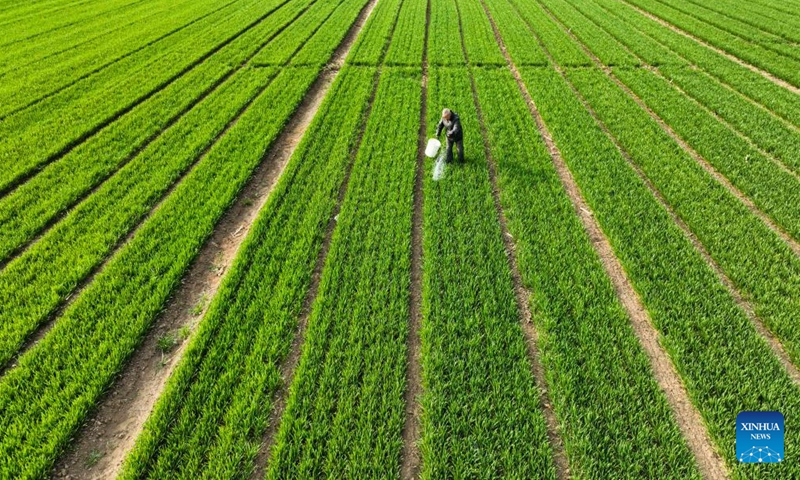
759 437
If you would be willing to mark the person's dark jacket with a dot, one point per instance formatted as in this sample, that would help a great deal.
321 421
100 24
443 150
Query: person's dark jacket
452 128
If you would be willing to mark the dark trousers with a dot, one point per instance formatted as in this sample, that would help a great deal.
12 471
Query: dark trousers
449 153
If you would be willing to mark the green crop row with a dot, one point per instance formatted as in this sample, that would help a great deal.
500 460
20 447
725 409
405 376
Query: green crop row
757 35
370 46
344 415
476 31
756 16
211 416
563 51
603 45
646 48
775 98
289 41
34 284
732 235
444 43
480 404
580 321
725 365
36 203
38 135
771 61
788 6
48 395
763 128
85 35
516 35
34 19
36 81
409 35
772 189
320 47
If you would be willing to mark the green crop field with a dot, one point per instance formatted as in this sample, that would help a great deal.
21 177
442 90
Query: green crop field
225 252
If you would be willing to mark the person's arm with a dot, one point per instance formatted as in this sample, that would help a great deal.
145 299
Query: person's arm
439 128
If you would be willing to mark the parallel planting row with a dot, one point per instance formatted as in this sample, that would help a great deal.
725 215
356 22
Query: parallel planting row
102 326
129 127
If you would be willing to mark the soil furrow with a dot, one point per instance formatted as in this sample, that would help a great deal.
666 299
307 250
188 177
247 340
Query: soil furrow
115 116
411 461
687 416
725 54
705 164
114 426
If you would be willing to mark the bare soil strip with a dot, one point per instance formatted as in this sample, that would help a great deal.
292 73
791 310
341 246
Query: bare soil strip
687 417
118 419
410 463
114 117
152 138
521 293
710 169
293 359
774 343
725 54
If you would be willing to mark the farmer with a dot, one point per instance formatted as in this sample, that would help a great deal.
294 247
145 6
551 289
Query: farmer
452 129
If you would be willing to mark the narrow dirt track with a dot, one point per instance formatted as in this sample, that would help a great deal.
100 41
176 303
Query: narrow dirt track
774 343
147 142
521 293
705 164
687 417
411 462
765 74
111 431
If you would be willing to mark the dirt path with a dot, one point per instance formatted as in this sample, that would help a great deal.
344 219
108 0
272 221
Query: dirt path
707 166
725 54
411 462
102 444
773 342
521 293
688 418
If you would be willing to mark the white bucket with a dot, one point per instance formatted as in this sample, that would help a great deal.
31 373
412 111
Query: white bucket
433 148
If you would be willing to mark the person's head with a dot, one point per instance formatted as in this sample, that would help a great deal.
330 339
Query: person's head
447 114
